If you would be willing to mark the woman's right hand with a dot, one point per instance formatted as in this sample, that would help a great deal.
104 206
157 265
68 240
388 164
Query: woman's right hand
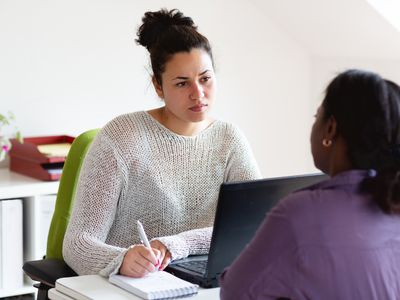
140 261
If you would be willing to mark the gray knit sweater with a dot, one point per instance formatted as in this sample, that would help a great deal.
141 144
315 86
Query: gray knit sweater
137 169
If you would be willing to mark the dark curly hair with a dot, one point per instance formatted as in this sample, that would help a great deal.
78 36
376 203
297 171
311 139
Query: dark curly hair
165 33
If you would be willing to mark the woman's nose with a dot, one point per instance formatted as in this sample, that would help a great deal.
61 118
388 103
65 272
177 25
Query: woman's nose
197 92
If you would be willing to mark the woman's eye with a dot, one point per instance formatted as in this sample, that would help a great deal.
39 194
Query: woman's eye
205 79
181 84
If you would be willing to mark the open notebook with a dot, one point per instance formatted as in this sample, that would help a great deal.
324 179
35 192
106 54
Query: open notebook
157 285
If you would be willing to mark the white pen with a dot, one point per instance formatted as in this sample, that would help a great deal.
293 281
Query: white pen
143 235
145 240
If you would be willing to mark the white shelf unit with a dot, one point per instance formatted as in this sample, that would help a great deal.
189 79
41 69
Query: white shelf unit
26 289
32 192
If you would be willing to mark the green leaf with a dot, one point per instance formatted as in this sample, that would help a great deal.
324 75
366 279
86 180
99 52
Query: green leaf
11 115
4 119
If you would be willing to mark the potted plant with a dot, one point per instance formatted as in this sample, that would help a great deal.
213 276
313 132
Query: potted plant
8 130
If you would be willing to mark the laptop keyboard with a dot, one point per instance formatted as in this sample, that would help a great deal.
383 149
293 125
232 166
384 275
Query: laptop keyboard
198 266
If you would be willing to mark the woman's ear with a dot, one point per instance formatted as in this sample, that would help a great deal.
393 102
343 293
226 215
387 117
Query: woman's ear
158 88
331 129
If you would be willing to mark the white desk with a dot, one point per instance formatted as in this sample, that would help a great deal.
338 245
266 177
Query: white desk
95 287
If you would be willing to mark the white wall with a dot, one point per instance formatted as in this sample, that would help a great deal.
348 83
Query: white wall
325 68
68 66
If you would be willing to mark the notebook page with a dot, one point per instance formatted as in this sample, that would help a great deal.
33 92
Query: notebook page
156 285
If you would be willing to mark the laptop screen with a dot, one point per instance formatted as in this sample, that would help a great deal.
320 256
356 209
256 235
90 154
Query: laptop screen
242 206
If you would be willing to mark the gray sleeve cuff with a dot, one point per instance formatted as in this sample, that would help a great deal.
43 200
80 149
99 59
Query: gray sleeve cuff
114 266
196 241
176 245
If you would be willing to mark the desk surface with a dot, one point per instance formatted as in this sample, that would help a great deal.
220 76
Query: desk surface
98 288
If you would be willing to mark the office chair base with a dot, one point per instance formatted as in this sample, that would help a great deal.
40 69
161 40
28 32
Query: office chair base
43 291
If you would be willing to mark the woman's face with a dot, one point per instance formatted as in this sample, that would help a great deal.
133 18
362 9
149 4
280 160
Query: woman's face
319 152
188 86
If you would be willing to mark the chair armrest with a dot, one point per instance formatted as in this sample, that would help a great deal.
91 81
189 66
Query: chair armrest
47 271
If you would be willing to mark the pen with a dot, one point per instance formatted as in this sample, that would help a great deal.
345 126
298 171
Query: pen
142 234
145 240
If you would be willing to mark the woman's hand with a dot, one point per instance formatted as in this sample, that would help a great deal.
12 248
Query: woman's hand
140 261
165 255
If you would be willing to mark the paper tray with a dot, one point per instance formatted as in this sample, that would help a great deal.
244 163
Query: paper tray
26 159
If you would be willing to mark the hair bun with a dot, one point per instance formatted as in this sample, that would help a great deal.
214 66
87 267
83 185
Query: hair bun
155 23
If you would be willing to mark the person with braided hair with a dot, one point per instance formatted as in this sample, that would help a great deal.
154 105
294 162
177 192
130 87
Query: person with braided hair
163 167
340 238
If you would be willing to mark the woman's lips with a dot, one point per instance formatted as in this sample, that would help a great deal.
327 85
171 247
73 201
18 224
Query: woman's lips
199 108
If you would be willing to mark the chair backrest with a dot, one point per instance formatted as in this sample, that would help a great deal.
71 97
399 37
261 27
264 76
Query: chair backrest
66 193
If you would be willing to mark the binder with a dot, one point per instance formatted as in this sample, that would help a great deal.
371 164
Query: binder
38 212
11 257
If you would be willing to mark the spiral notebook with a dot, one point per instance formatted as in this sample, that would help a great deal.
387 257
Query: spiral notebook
157 285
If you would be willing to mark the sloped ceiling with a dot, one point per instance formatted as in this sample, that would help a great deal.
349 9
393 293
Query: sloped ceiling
335 28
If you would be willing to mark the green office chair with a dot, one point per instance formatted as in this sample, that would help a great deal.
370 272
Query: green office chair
52 267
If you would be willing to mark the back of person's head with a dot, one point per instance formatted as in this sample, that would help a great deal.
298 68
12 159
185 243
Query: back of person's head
366 108
165 33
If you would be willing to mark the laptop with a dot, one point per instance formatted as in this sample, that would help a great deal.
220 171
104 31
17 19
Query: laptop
241 208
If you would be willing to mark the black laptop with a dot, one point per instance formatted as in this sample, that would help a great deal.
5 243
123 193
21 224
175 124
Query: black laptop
241 208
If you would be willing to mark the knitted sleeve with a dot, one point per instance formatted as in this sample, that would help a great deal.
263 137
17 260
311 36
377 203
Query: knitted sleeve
196 241
98 190
241 162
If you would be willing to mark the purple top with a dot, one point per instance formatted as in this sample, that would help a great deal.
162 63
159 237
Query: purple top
328 241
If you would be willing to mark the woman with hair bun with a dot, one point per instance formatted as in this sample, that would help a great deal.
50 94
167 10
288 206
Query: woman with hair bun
163 167
338 239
